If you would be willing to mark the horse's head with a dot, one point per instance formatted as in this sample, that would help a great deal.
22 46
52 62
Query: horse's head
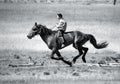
36 29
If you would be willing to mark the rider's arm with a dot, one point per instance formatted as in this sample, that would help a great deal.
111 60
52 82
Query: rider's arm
54 28
60 25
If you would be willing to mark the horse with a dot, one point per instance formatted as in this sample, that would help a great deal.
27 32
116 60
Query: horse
76 38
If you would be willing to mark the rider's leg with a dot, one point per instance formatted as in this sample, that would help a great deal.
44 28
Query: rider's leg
62 33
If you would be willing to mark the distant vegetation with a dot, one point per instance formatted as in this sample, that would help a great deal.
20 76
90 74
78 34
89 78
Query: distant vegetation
61 1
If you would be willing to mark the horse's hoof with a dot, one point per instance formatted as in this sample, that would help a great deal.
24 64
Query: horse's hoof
70 64
84 60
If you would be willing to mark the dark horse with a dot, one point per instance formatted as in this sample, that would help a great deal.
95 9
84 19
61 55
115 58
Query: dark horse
54 43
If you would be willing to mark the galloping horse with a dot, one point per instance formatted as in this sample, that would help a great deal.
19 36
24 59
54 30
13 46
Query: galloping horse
54 43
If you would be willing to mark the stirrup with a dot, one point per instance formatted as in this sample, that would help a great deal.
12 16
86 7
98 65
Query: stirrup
62 45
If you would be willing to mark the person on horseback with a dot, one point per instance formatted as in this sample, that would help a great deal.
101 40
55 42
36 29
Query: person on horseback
61 27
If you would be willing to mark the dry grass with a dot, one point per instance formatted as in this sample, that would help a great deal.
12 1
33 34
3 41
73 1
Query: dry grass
53 71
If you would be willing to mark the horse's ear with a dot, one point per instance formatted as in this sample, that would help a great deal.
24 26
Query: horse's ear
35 23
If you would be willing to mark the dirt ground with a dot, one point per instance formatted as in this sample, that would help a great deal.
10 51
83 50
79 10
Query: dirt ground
16 67
24 61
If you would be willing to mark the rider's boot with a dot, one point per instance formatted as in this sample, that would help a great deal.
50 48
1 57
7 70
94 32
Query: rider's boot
63 43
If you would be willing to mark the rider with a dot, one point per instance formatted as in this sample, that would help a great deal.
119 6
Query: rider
61 26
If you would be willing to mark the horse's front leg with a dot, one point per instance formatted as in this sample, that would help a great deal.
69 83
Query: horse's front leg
52 55
61 58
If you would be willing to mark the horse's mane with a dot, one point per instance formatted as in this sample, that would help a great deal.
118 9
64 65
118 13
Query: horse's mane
46 30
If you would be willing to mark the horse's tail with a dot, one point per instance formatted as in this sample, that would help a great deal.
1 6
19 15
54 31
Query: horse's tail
97 45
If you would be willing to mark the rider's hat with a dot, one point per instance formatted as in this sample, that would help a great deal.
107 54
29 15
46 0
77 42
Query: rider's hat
60 15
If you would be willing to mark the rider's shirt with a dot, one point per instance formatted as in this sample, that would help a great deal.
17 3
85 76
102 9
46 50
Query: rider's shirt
62 25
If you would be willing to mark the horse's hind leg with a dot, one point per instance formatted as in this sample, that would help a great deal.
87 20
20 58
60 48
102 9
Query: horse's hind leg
80 52
85 51
61 58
